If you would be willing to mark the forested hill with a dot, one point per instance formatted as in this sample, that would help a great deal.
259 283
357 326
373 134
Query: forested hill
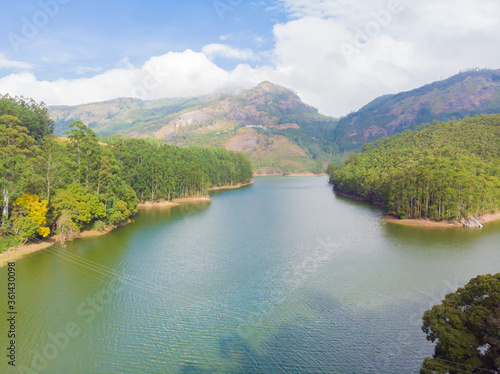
64 185
279 132
463 95
269 123
443 172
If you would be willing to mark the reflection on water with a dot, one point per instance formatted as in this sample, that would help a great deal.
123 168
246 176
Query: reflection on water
281 276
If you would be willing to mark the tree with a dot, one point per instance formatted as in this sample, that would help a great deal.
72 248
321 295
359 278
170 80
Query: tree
17 155
66 227
51 164
29 217
466 329
81 207
85 155
32 115
120 212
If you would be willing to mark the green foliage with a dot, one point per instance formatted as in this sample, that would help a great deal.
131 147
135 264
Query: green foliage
157 171
24 228
99 225
85 154
82 207
52 166
119 212
66 227
33 116
18 154
88 184
8 241
466 329
447 171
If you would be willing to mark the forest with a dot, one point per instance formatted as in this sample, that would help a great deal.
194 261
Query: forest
52 185
445 171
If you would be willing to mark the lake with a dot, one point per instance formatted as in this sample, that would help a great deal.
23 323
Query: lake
278 277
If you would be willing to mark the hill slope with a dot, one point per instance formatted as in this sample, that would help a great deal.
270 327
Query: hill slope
466 94
444 172
131 116
270 123
280 133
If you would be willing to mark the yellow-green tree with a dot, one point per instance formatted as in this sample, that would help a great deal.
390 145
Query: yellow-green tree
29 217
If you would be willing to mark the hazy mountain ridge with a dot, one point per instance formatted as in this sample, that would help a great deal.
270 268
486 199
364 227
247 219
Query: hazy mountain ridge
463 95
270 123
279 132
123 115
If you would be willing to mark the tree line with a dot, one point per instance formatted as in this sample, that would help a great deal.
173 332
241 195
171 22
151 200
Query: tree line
157 171
447 171
64 185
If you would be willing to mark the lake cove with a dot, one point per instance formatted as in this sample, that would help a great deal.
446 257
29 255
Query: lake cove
279 276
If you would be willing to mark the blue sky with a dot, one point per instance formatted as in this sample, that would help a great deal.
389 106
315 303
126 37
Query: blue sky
336 54
96 35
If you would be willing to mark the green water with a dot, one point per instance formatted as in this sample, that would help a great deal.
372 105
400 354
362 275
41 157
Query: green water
278 277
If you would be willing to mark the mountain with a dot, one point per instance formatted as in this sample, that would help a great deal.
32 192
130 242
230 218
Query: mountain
270 123
280 133
124 115
463 95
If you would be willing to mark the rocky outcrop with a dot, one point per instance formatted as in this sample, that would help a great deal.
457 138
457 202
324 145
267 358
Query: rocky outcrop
188 119
471 222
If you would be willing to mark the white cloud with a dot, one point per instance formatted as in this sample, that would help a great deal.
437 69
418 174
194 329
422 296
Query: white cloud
125 63
259 40
81 70
337 54
10 64
227 37
184 74
346 11
215 50
421 42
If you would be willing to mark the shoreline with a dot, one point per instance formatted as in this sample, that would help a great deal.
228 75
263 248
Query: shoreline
359 198
290 175
421 222
14 254
231 187
172 203
183 200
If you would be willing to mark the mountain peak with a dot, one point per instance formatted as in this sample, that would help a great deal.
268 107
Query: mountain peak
468 93
268 86
269 122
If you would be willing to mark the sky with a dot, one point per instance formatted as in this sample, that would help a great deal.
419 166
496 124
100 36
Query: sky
336 54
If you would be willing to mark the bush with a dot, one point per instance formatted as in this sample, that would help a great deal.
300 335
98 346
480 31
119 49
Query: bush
7 242
99 226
